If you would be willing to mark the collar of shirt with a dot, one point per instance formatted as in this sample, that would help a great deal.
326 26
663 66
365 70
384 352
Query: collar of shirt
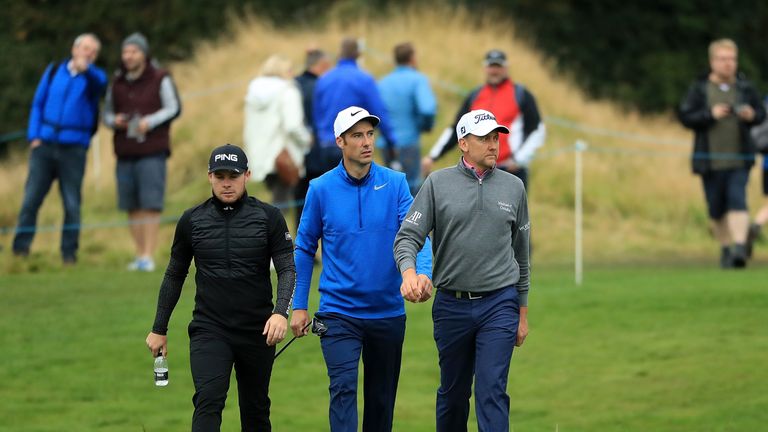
479 174
353 180
71 68
227 207
347 62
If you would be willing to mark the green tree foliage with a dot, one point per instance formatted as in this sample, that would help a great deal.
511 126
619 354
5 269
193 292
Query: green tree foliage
36 32
642 53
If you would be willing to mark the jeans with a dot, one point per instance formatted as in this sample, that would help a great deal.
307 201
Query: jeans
475 338
381 343
48 162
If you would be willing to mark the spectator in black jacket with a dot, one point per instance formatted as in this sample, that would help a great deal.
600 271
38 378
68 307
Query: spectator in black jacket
720 108
317 63
232 238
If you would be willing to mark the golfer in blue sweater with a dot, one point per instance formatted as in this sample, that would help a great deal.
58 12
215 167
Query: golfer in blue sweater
356 209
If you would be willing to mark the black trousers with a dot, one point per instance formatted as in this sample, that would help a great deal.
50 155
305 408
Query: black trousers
212 356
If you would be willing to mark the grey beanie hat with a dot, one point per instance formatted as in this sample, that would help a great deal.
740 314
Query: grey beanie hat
139 40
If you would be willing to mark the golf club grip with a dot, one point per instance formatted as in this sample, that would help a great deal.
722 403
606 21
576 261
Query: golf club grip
291 341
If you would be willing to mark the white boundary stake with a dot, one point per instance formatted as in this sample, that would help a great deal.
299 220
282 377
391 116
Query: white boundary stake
578 210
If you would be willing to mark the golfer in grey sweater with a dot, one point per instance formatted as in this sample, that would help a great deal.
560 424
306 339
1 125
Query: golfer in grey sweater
479 219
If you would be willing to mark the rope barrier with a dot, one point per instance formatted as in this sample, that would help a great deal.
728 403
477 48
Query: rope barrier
115 224
460 91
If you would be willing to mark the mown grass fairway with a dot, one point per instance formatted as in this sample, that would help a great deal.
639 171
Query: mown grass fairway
633 349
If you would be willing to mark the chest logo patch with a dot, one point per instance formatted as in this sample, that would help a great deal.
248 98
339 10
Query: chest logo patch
505 206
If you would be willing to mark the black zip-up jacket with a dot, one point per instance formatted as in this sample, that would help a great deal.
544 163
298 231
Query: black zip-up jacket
694 113
232 246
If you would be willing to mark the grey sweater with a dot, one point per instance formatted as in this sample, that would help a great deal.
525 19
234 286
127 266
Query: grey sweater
480 231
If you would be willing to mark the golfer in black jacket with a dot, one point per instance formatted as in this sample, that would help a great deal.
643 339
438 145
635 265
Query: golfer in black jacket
232 238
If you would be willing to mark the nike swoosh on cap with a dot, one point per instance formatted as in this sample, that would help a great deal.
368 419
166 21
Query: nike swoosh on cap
356 113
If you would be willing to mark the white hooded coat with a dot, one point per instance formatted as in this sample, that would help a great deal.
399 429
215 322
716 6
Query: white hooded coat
274 120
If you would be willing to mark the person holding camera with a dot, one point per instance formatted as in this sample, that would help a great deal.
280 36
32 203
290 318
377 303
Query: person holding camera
720 108
140 105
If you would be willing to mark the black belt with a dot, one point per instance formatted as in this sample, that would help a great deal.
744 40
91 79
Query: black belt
469 295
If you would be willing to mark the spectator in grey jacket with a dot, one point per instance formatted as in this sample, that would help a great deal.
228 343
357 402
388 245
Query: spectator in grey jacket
479 216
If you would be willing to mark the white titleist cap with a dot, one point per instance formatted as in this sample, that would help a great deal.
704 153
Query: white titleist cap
347 118
478 123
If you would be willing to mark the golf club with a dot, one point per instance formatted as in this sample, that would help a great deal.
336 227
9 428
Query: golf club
318 328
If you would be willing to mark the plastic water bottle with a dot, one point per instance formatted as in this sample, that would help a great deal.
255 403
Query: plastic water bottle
161 370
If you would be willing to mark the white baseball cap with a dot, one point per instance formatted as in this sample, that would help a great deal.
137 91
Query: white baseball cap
478 123
348 117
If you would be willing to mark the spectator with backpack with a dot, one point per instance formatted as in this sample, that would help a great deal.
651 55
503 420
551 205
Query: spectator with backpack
63 118
140 106
514 107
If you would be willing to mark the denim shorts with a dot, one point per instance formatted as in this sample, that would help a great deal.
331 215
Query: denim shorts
725 190
141 183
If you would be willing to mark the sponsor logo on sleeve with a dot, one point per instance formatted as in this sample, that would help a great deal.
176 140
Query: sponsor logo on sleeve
414 218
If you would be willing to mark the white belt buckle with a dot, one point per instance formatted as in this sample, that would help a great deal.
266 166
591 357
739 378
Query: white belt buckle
474 297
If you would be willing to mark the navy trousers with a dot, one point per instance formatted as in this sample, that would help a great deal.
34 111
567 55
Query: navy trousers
381 343
474 337
47 163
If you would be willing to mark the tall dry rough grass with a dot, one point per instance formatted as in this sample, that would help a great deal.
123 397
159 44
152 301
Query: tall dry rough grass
641 201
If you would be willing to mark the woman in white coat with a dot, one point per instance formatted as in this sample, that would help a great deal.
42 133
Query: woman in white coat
275 136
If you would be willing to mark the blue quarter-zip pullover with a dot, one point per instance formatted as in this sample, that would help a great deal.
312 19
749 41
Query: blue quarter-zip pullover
357 221
65 107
